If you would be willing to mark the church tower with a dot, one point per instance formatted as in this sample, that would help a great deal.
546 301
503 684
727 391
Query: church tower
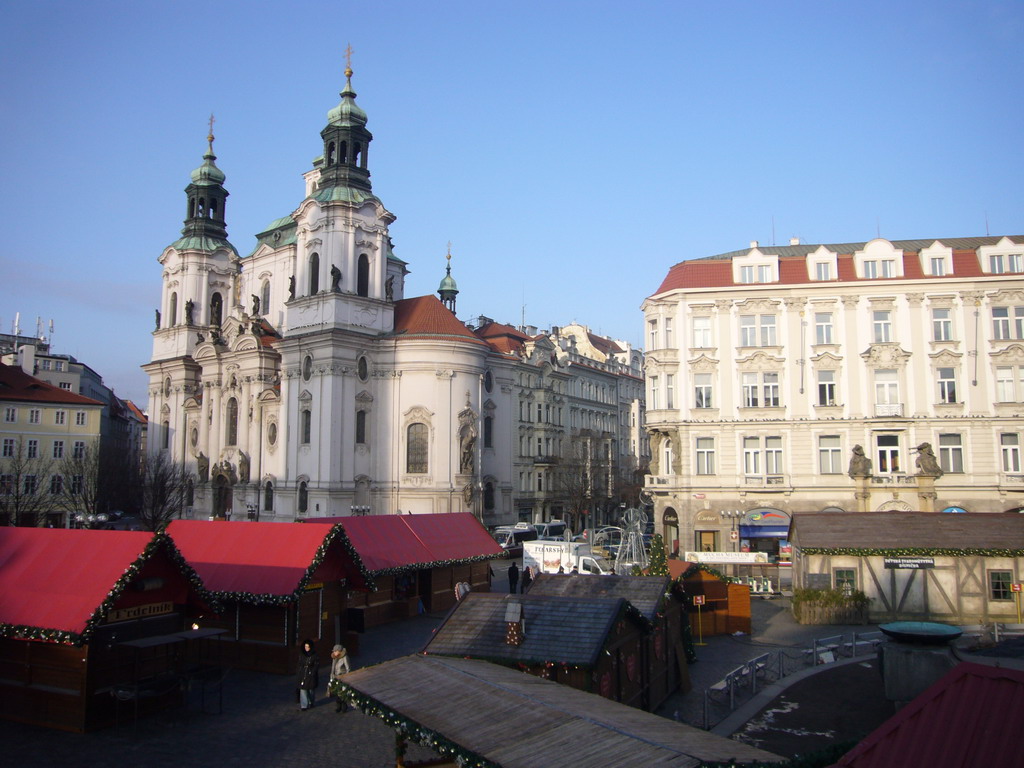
448 290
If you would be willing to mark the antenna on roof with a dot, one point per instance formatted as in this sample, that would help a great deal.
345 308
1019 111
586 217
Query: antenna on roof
878 228
986 223
773 229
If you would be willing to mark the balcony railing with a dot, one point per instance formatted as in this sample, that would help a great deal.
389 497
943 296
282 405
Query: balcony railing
764 480
888 409
545 459
894 480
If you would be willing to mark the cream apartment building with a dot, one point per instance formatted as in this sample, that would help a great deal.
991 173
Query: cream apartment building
884 375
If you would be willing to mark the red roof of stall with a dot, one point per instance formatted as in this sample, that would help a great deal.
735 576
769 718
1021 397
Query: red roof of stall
969 717
270 562
57 579
386 542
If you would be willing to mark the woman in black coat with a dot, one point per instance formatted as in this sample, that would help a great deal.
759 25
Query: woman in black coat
308 675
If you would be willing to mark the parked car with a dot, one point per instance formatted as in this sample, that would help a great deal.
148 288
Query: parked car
511 537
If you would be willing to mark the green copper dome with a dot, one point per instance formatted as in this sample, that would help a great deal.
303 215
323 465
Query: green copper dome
208 173
347 114
448 283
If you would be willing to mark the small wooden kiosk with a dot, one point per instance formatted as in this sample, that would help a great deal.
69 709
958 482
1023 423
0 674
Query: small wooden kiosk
726 608
79 611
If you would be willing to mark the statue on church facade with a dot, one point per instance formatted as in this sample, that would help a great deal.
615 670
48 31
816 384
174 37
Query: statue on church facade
335 279
860 465
203 467
291 287
255 304
389 288
157 319
927 464
189 307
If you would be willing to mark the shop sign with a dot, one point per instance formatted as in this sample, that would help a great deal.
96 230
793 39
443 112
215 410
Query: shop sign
140 611
912 563
726 557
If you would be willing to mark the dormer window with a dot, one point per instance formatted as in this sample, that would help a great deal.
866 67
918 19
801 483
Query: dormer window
823 270
876 268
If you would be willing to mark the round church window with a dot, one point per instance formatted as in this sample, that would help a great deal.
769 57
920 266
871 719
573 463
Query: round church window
272 433
362 369
307 368
194 436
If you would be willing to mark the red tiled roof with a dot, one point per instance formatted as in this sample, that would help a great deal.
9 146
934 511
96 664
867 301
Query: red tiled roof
426 316
402 541
16 385
502 338
58 579
261 559
604 345
136 411
969 717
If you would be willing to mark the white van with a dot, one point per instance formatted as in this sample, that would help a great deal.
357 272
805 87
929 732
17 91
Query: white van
553 530
511 537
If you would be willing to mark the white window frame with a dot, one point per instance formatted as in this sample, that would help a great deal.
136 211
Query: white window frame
881 326
888 454
58 449
1009 450
830 455
752 456
652 397
652 333
747 274
945 380
942 324
951 453
823 328
770 388
995 264
670 391
34 416
764 273
870 270
823 270
938 266
702 332
10 415
32 449
668 333
705 453
60 417
10 446
751 390
80 418
703 391
827 387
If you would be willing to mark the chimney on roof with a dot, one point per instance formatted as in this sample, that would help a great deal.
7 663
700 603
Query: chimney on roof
794 241
515 631
753 243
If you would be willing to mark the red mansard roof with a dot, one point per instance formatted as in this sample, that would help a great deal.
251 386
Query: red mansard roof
16 385
402 542
271 561
427 317
57 580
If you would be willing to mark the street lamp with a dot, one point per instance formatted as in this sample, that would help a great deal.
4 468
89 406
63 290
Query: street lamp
250 511
733 515
360 509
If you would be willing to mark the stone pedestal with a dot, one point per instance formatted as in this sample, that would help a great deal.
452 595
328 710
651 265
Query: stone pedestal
908 669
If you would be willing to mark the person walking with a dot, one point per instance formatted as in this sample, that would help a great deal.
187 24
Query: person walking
527 577
339 666
307 675
513 578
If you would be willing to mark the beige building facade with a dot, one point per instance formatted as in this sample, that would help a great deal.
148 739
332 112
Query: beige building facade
849 377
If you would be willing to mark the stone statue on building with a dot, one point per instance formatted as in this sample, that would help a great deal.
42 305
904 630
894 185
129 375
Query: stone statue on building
335 279
468 457
243 467
157 319
255 304
189 307
860 465
203 467
291 287
927 464
389 288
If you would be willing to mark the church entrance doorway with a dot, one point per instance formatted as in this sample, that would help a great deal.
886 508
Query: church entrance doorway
221 497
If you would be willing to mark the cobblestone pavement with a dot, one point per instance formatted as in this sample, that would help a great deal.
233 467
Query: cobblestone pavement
261 724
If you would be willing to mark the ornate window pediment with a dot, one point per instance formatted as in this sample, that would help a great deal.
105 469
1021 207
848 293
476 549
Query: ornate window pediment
1013 354
885 356
305 396
758 306
946 358
703 364
759 361
1006 297
826 361
364 397
418 413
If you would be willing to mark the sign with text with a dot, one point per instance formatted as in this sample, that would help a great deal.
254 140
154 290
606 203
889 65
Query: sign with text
726 557
140 612
698 599
1015 587
912 563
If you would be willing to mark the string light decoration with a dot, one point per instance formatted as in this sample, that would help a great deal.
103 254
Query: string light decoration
913 552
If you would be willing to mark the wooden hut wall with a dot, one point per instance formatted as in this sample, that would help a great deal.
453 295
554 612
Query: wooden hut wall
44 683
955 590
727 607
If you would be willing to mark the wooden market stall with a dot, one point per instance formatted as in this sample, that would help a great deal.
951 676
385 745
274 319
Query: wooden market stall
277 584
89 619
726 608
416 562
915 566
472 712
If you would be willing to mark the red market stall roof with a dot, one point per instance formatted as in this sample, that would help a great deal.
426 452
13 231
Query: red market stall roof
58 584
971 716
390 544
266 562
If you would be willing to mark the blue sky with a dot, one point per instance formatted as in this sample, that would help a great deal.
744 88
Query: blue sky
570 151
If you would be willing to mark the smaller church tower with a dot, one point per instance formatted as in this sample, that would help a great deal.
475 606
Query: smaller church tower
206 197
346 143
448 290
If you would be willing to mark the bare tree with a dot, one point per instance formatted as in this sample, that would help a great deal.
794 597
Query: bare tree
583 478
165 487
26 479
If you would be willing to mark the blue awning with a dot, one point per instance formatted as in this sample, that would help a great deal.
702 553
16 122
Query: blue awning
764 531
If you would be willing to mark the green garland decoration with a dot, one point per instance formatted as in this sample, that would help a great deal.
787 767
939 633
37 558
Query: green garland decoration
409 730
914 551
131 573
693 569
399 570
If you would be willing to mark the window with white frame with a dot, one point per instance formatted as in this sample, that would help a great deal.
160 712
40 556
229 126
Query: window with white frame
751 393
705 452
773 455
30 485
951 453
652 334
1010 384
652 398
938 264
56 485
942 324
752 456
44 365
830 460
32 449
670 390
870 269
59 417
995 264
1015 262
9 447
668 333
10 415
823 270
763 454
946 380
77 483
823 328
80 418
746 274
58 449
66 386
702 332
1008 322
770 383
881 323
703 395
78 451
888 267
764 273
887 387
666 457
827 387
888 452
757 331
1009 448
34 416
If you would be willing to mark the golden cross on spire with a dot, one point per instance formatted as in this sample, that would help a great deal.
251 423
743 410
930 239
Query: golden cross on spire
348 60
212 121
449 251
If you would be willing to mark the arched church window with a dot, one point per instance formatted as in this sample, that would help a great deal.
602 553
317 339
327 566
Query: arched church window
232 425
416 449
303 496
362 369
265 297
363 275
211 211
360 427
167 387
216 308
306 426
165 439
330 153
489 496
202 207
358 150
488 431
172 316
191 207
343 152
314 273
268 497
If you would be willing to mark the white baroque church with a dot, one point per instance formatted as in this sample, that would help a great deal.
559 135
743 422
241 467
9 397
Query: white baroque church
299 381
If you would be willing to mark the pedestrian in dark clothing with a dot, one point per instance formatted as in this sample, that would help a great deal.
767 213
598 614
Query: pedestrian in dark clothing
307 675
527 578
339 666
513 579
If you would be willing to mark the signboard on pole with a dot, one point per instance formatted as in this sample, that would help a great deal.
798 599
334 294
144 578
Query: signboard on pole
726 557
913 563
